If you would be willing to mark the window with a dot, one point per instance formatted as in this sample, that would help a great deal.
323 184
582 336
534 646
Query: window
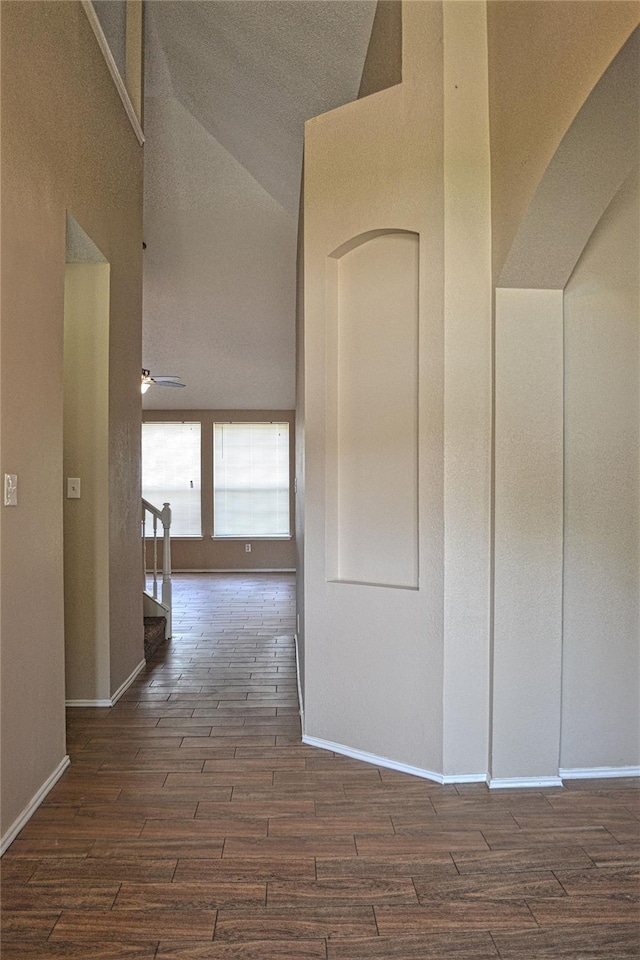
251 480
171 473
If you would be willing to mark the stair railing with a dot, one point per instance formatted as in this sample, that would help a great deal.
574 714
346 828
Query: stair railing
158 517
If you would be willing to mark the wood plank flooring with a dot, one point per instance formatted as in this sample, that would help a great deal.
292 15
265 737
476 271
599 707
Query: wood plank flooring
193 824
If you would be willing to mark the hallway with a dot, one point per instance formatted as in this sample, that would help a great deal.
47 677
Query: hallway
193 824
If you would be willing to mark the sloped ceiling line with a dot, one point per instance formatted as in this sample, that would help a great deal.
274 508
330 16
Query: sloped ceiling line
229 86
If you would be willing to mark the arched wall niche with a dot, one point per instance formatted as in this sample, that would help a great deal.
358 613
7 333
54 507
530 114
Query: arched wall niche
372 410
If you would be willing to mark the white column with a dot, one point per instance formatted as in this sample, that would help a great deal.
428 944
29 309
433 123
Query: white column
166 567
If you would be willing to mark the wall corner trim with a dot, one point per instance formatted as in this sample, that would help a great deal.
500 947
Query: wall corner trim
392 764
516 783
598 773
127 683
92 17
33 805
464 778
88 703
116 696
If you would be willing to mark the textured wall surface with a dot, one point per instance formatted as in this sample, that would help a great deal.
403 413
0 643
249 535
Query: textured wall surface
535 96
373 654
228 88
601 654
67 145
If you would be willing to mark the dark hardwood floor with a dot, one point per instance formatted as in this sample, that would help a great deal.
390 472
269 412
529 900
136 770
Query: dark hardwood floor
193 824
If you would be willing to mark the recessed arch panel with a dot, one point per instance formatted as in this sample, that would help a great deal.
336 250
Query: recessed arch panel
372 410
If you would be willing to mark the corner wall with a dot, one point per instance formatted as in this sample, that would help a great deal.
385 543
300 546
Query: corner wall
553 414
374 651
456 674
398 409
601 656
86 452
527 582
67 145
416 158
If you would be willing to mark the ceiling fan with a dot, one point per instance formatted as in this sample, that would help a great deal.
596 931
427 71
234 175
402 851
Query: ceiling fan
147 381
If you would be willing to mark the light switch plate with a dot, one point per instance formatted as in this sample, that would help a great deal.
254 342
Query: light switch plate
11 489
73 488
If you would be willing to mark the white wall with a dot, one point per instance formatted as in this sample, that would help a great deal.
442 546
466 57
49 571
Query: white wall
460 673
219 267
86 456
77 154
601 655
374 654
527 634
372 387
397 664
467 390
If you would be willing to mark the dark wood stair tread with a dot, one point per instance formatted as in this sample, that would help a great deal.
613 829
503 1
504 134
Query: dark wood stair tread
154 631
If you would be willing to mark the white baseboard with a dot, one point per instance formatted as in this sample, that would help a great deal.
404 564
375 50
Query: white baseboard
517 783
88 703
116 696
392 764
465 778
237 570
127 683
599 773
33 805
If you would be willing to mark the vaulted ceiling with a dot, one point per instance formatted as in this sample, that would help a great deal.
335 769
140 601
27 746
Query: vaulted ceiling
229 85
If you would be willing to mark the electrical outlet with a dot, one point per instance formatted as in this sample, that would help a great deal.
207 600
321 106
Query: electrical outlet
247 548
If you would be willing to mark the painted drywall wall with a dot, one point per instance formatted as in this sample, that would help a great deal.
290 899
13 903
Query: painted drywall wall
86 457
467 390
545 56
601 657
527 614
595 157
495 657
249 322
205 552
373 654
528 666
112 15
372 410
383 63
134 56
403 674
228 88
67 144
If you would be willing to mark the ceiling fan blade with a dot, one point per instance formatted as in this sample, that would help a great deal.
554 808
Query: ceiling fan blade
167 383
167 377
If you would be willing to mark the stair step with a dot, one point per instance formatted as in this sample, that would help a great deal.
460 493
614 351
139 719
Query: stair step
154 635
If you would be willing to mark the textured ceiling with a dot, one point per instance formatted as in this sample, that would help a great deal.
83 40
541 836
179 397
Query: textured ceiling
229 84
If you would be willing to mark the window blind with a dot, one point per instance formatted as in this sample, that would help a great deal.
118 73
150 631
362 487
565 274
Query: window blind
171 473
251 480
